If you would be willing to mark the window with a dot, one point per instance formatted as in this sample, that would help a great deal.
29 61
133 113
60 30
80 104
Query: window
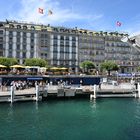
73 44
1 53
10 39
18 54
61 49
32 35
1 32
46 42
18 47
61 56
18 39
31 55
55 62
62 43
24 47
46 35
67 43
24 34
1 39
42 42
55 37
18 34
24 40
62 37
55 42
73 38
55 55
10 47
1 46
107 44
24 54
10 53
67 38
67 50
55 49
10 33
73 50
32 40
32 47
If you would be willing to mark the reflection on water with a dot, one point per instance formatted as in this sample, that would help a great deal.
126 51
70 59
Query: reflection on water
36 106
93 104
10 112
71 119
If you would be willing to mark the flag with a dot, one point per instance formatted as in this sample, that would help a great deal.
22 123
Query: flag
119 23
40 10
50 12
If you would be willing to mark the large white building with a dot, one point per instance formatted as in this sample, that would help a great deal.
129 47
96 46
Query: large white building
66 47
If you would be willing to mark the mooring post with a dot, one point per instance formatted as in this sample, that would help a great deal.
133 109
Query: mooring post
91 96
94 92
138 90
37 92
12 94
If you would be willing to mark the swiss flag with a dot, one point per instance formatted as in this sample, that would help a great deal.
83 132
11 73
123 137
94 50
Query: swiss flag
40 10
118 23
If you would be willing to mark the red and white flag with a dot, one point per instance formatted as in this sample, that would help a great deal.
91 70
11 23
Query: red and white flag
40 10
118 23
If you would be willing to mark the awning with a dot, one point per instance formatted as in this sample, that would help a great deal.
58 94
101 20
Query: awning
35 78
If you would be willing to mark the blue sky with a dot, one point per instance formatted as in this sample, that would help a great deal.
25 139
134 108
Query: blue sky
86 14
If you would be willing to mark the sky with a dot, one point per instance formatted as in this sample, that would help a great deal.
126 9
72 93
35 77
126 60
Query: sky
96 15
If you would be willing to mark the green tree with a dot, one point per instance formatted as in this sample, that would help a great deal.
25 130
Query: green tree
87 65
109 66
8 61
35 62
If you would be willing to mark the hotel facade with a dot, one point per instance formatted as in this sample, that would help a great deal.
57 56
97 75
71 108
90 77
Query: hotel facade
66 47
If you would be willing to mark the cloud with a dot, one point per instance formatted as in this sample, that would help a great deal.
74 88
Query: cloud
29 12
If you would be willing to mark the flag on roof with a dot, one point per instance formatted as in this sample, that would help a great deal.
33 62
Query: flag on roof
50 12
118 23
40 10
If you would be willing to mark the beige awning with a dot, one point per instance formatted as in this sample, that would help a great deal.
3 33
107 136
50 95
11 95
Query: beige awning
54 68
2 66
17 66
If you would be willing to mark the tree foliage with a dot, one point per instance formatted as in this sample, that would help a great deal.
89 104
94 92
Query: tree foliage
87 65
35 62
109 66
8 61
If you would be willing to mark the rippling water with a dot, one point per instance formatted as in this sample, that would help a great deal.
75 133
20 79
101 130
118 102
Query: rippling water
78 119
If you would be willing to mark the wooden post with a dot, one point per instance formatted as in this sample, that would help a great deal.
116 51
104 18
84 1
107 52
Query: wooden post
91 96
138 90
12 94
37 92
94 92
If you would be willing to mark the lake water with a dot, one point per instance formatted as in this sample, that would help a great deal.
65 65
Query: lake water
71 119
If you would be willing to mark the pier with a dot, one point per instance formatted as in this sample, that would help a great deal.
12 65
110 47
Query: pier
47 91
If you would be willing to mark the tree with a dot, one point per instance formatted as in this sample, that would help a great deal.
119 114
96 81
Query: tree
87 65
8 61
138 68
35 62
109 66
